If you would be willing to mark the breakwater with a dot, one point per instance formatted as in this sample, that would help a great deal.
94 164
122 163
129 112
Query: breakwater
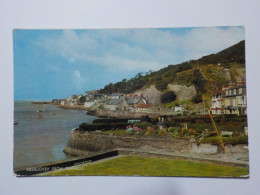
85 143
89 143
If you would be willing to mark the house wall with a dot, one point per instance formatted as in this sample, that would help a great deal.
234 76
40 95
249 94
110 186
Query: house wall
123 105
110 107
88 104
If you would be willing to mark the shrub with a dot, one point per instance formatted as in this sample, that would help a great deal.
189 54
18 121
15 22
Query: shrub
137 129
162 133
197 99
168 97
161 85
144 125
110 120
102 126
146 118
226 140
149 128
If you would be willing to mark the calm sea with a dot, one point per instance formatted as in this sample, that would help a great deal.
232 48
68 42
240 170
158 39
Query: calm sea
41 139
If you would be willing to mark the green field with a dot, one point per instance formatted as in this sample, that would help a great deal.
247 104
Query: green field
151 166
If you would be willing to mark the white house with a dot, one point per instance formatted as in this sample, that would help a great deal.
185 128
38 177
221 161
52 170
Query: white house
89 104
217 102
231 99
179 109
63 102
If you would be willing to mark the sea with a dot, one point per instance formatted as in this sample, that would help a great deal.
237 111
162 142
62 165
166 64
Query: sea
42 132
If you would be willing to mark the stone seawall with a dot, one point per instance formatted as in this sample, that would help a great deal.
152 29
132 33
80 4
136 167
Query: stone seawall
85 143
90 143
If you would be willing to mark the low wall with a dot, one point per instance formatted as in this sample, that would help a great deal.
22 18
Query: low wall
85 143
89 143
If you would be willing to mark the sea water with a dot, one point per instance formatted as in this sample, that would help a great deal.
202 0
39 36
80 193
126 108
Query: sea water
43 131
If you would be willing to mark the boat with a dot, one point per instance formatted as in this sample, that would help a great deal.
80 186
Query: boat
15 122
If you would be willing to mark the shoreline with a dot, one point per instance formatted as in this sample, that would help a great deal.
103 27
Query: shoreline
71 107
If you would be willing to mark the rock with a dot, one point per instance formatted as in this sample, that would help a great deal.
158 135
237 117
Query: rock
183 92
151 94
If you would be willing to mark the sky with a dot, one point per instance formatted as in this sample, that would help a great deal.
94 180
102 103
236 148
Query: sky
52 64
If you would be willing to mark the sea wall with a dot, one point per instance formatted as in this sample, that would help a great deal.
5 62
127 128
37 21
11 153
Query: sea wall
86 143
90 143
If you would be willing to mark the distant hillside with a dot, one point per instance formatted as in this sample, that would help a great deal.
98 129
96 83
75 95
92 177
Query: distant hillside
235 53
206 74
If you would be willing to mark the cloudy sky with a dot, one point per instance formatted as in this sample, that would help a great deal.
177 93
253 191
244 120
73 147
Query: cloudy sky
57 63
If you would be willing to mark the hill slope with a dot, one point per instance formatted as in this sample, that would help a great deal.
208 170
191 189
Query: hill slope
206 74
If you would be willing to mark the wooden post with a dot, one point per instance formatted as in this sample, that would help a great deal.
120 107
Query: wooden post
218 133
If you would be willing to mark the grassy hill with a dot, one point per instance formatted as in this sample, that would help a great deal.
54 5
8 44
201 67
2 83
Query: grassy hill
207 74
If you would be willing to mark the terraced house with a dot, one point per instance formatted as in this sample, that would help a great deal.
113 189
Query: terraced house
231 99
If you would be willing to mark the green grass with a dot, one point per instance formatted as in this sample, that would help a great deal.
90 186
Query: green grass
221 127
150 166
226 140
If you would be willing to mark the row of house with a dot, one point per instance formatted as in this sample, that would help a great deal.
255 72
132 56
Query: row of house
115 102
231 99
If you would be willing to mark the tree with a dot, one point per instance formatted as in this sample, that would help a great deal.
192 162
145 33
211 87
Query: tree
168 97
161 84
82 99
199 81
197 99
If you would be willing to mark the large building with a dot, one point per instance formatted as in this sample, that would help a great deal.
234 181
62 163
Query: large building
231 99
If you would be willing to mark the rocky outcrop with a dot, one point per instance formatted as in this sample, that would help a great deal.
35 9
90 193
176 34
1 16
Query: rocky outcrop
151 94
183 92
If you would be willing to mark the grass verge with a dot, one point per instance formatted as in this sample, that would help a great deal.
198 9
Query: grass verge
151 166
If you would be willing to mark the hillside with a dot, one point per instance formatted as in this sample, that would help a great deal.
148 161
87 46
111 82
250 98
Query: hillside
206 74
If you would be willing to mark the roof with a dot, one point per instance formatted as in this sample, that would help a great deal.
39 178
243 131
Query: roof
237 87
219 92
116 94
115 102
144 106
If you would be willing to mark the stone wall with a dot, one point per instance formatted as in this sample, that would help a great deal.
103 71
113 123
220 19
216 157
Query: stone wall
84 143
90 143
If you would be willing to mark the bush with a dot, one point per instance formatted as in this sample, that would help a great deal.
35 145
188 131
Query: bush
161 85
144 125
168 97
110 120
197 99
226 140
102 126
146 118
